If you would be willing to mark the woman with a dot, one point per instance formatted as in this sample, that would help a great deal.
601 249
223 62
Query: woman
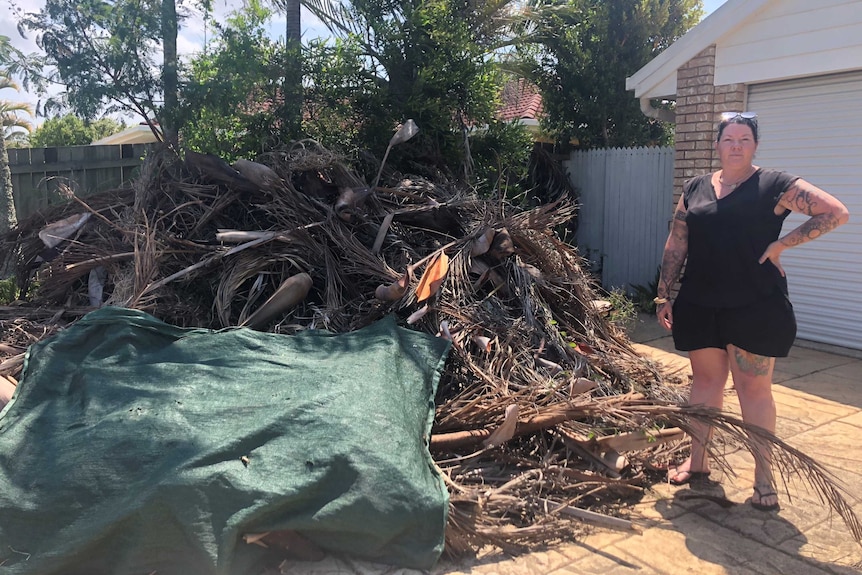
732 313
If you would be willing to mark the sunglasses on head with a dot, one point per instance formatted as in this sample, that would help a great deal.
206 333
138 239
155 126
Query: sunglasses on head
727 116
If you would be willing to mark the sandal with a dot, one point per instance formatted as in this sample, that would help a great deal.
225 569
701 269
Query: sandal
688 476
767 492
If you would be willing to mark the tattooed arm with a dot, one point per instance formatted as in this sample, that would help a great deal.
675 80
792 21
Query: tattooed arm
827 213
675 252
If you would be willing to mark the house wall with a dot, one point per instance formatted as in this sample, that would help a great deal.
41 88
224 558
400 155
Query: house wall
777 44
823 148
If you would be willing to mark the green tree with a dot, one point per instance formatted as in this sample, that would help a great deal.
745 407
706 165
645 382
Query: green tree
582 61
338 93
102 52
231 101
70 130
429 60
10 116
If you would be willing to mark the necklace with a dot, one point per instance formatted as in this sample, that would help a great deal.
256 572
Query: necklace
735 184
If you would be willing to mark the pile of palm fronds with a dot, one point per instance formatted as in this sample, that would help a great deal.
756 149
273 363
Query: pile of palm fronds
545 413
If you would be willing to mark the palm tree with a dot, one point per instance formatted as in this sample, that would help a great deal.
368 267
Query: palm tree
293 66
10 118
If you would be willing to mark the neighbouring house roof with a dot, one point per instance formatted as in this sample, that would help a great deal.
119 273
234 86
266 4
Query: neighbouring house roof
139 134
521 101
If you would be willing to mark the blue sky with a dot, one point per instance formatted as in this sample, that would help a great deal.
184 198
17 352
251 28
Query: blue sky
709 6
192 36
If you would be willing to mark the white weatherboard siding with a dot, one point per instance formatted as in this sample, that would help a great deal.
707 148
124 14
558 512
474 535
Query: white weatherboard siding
762 41
813 128
792 39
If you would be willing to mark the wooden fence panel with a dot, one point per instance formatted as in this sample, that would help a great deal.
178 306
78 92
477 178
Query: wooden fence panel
626 196
38 173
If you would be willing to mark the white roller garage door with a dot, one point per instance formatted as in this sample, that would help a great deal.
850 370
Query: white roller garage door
813 128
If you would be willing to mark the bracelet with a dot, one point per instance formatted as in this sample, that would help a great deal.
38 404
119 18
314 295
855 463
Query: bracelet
660 300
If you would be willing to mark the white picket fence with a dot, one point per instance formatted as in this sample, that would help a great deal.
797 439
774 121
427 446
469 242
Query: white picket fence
626 197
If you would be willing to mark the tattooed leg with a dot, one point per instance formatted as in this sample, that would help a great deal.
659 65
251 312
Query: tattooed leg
752 378
752 364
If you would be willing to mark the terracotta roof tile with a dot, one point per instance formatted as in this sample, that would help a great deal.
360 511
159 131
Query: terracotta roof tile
521 101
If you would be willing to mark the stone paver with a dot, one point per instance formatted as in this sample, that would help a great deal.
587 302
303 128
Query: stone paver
803 361
854 419
838 389
851 370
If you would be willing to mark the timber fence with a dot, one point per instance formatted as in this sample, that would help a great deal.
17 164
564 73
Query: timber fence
38 173
626 199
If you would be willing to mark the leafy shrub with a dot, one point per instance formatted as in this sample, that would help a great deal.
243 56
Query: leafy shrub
8 291
644 294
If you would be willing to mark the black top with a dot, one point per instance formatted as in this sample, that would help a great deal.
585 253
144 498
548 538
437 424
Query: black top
727 236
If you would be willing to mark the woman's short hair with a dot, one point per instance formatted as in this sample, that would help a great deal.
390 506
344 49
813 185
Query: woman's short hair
747 118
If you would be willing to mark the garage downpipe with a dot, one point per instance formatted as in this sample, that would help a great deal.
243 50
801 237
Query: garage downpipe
659 114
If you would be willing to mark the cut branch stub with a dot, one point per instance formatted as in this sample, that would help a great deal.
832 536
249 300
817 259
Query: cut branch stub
502 245
395 290
349 201
292 291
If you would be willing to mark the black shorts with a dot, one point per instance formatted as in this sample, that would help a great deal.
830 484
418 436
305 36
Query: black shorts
766 327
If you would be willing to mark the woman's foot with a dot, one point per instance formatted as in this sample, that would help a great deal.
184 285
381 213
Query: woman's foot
682 474
764 498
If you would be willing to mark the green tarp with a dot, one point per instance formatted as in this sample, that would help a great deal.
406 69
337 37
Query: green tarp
132 446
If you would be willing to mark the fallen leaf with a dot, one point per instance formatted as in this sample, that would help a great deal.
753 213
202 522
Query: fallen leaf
483 342
433 277
482 243
585 349
581 385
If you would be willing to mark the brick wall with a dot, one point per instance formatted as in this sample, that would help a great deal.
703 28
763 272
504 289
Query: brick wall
698 107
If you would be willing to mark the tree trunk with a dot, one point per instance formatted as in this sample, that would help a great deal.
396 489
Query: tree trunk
8 216
293 70
169 71
293 23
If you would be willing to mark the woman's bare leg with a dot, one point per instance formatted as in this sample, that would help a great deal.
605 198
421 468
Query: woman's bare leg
709 368
752 377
